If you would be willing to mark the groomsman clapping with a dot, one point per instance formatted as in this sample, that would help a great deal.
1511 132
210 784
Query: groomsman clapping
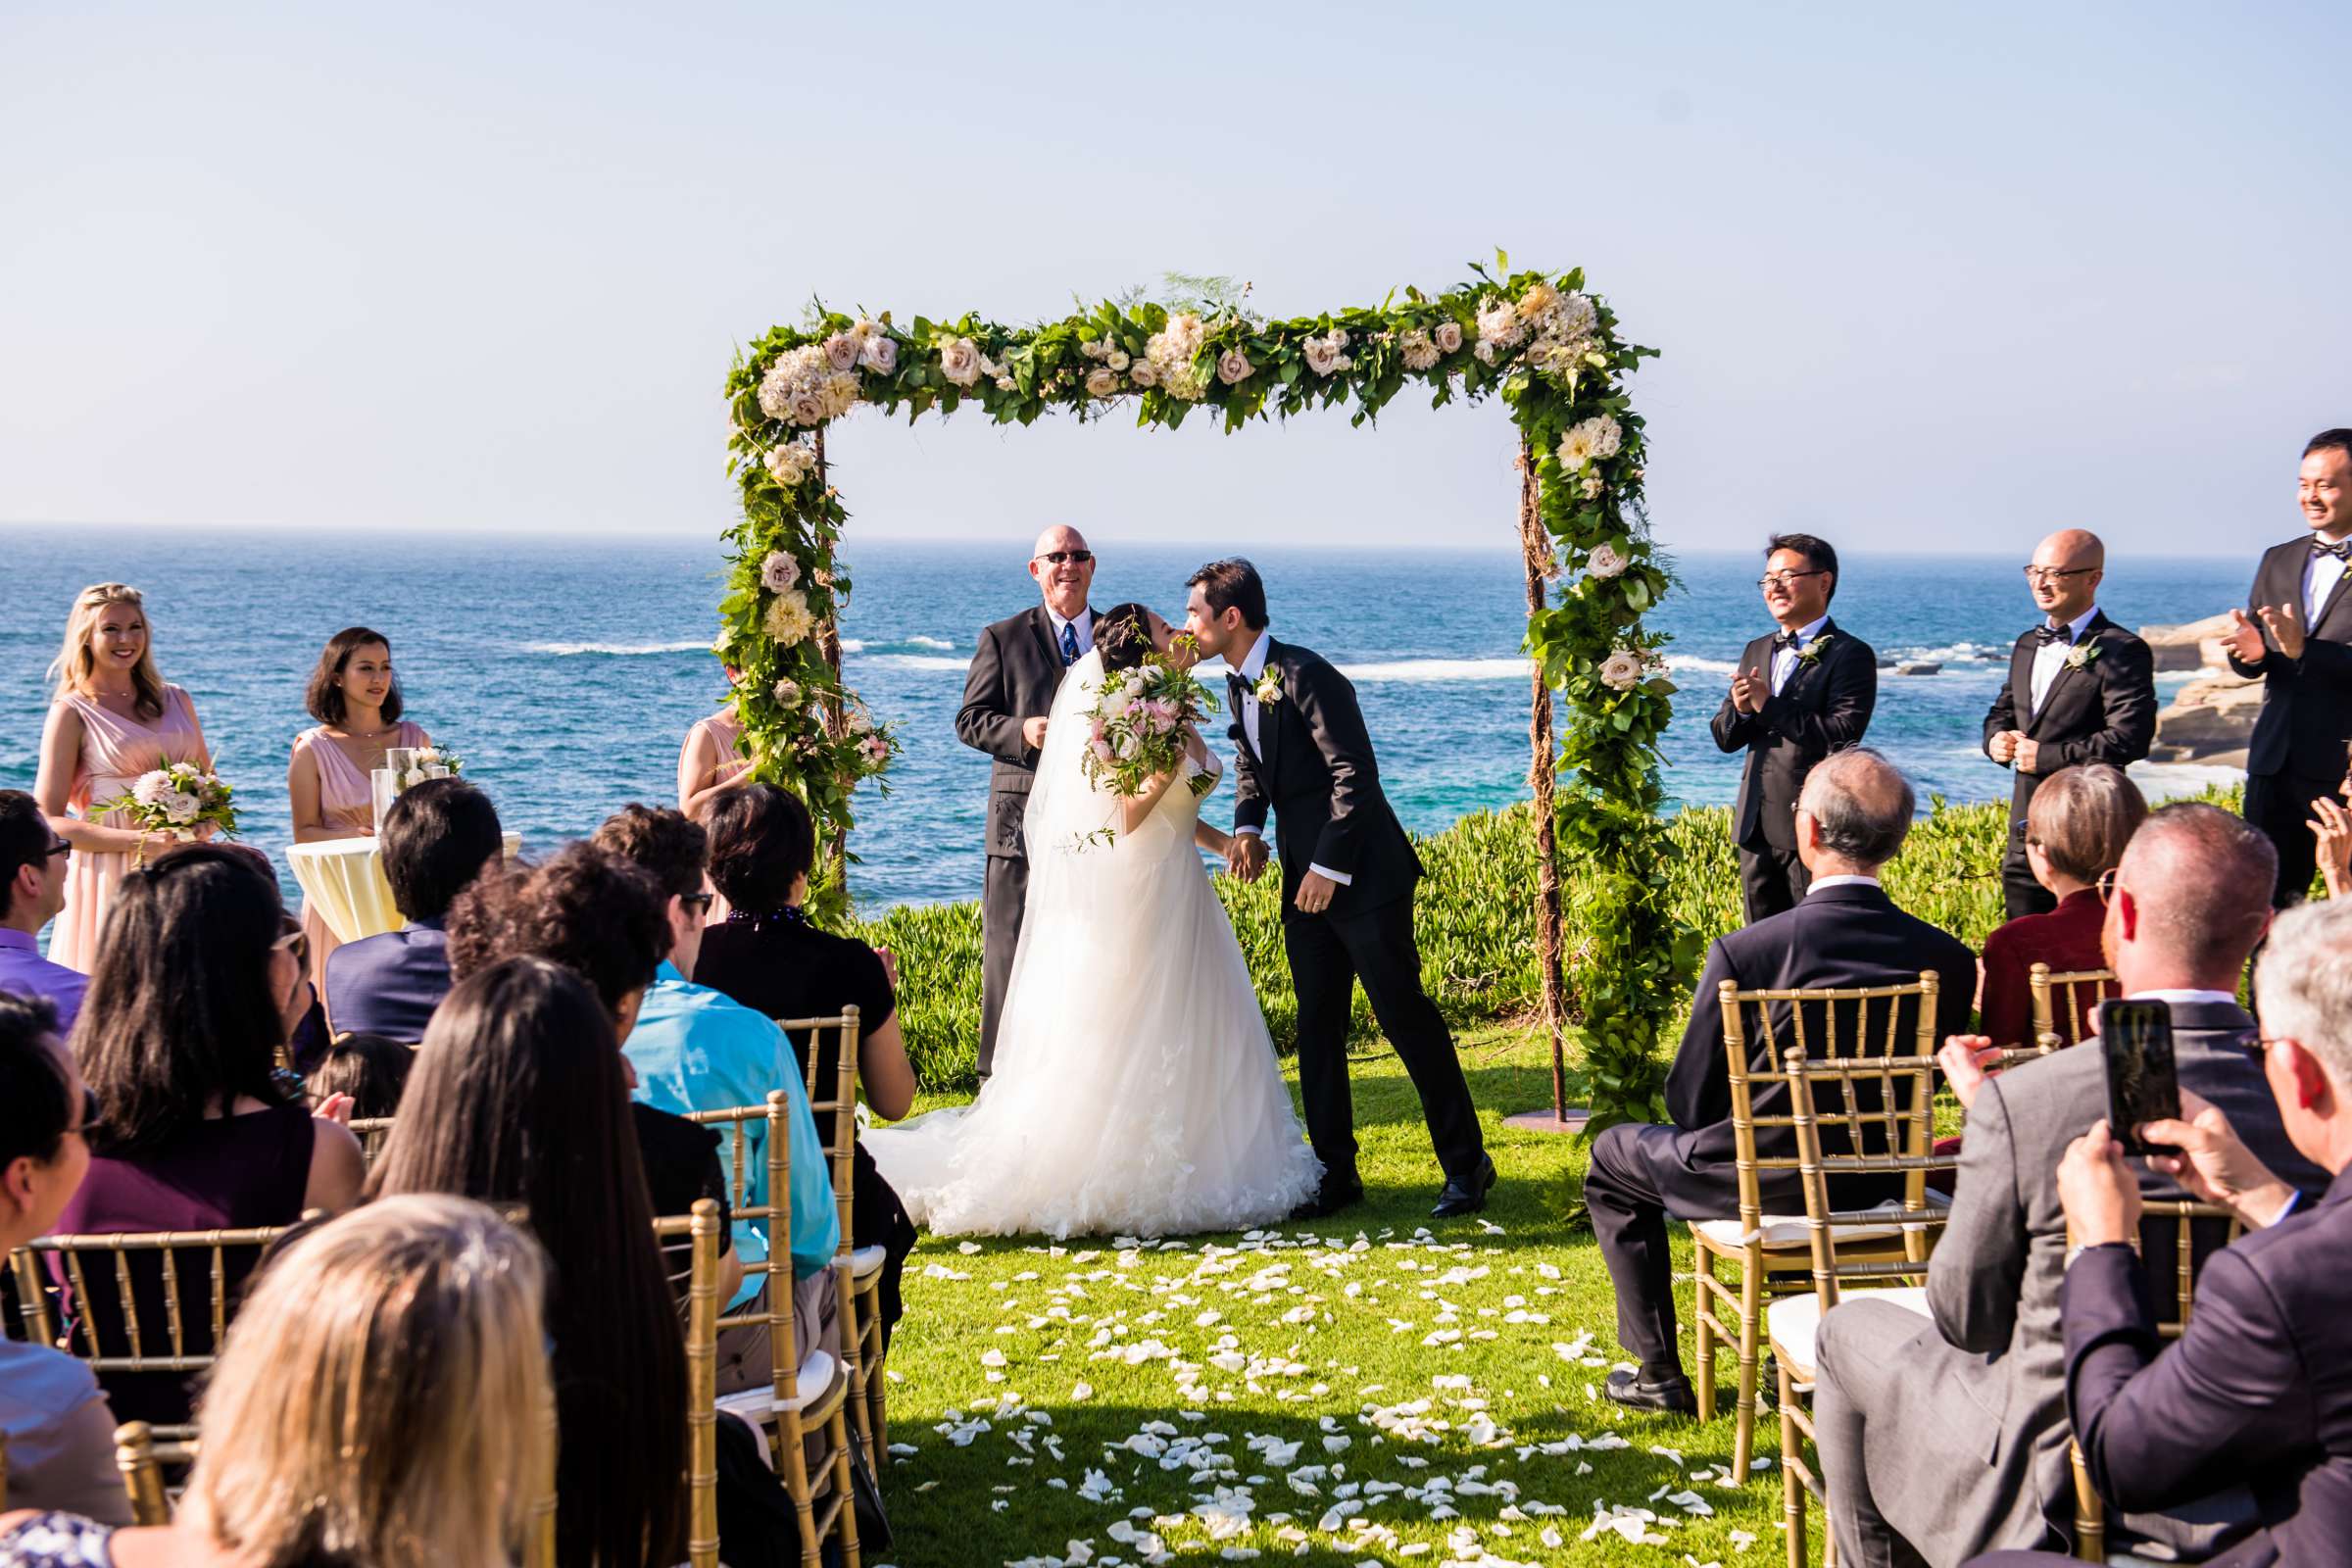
2080 689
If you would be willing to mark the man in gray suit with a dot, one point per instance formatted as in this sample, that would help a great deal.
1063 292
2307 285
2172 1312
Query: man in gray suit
1007 693
1943 1438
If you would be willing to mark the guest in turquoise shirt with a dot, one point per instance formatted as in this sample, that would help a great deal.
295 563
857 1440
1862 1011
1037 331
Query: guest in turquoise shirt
696 1049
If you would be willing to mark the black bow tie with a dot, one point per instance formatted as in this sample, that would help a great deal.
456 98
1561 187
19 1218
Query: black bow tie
2341 550
2054 634
1787 639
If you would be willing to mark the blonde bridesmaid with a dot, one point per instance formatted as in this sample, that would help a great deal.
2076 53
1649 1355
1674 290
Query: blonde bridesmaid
354 696
114 718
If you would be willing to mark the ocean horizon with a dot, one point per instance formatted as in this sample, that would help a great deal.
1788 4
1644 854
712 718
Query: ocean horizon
567 667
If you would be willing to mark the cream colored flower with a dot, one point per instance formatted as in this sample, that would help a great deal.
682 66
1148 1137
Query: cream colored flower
1103 382
881 352
1142 373
1537 301
1447 337
959 361
788 620
1576 448
791 462
1621 670
788 694
1498 324
1417 351
1234 367
1604 562
1116 358
1323 356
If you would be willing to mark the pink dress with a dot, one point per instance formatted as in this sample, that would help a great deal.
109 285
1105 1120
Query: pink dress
115 752
724 730
347 806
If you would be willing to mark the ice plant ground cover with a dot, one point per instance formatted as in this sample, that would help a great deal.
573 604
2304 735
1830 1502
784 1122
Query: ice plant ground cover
1374 1388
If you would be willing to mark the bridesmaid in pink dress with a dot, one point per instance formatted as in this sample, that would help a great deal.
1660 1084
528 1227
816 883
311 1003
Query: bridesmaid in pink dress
113 718
709 766
356 699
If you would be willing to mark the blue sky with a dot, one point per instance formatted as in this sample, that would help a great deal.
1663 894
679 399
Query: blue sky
1921 281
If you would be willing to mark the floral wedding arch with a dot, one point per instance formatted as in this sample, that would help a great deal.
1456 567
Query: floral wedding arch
1552 354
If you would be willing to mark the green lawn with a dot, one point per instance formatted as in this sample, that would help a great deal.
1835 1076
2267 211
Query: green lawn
1376 1388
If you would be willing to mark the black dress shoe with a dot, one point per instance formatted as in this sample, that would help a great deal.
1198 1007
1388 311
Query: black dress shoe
1335 1193
1672 1395
1466 1196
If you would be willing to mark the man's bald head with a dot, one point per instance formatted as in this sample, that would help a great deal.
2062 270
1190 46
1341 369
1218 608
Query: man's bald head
2066 573
2192 898
1859 808
1066 581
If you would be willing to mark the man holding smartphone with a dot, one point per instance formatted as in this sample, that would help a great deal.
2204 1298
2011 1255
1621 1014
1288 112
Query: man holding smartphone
1949 1436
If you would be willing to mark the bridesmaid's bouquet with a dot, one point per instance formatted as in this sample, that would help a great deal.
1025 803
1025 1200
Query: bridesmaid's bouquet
176 800
1136 727
431 761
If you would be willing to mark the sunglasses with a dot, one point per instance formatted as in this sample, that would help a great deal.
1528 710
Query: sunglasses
1058 556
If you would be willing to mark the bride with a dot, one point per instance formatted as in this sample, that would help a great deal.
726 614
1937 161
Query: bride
1135 1090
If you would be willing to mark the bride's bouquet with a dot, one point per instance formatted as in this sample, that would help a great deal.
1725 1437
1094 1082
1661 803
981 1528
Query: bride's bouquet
1136 727
174 801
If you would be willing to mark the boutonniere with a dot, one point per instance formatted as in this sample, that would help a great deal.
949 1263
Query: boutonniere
1269 687
1811 653
2082 656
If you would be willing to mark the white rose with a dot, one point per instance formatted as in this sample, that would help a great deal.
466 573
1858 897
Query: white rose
791 462
881 353
788 694
959 361
1498 324
1117 360
1322 355
1144 374
1593 486
1484 353
808 407
1234 367
1607 436
180 807
841 350
1621 670
1605 562
1101 383
1448 338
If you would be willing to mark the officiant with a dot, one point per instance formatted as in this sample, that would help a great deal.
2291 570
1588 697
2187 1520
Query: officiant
1007 693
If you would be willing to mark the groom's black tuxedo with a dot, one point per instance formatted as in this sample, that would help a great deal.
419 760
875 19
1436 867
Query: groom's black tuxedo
1824 707
1313 767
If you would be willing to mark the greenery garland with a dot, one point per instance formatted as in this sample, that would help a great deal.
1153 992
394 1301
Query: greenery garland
1549 349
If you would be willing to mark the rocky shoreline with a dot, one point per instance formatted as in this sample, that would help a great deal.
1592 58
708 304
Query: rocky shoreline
2211 720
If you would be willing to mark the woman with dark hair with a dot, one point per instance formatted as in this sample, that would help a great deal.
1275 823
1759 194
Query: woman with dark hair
198 985
354 696
768 956
519 1096
2075 829
371 1071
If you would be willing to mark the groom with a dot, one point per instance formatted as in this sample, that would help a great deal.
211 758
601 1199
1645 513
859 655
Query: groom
1348 875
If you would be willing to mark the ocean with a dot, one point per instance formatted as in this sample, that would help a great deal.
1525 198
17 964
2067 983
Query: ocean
566 669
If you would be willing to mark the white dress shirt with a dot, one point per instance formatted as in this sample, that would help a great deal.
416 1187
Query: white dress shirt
1250 668
2320 574
2050 658
1084 627
1783 659
1843 881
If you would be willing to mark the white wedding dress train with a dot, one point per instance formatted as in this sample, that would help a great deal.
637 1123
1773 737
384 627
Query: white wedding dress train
1135 1091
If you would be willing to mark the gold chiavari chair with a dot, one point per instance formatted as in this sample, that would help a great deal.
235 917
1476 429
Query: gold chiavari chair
143 1473
203 1288
2090 1509
372 1132
1793 1322
859 1270
1772 1252
2065 997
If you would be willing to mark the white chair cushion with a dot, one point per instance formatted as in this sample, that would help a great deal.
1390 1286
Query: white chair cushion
1788 1229
1793 1321
867 1261
755 1404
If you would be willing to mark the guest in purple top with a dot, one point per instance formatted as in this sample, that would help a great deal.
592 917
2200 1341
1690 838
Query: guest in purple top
33 889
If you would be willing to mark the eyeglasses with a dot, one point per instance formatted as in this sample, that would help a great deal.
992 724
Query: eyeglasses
60 847
2107 885
2053 574
1058 556
1787 579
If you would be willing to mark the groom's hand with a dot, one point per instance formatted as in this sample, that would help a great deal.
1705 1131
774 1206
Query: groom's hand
1033 732
1246 856
1315 892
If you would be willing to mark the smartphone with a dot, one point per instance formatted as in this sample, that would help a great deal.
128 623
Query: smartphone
2142 1086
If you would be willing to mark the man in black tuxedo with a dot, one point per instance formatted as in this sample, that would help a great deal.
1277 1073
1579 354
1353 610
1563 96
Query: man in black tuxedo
2258 1390
1800 693
1007 691
2080 689
2296 634
1347 876
1854 813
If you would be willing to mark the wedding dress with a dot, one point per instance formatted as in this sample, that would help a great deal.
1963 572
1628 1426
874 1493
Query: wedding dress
1135 1090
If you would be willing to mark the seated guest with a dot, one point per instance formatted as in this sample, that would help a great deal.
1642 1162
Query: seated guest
2331 827
33 889
770 957
197 984
321 1442
434 842
59 1433
1946 1437
519 1098
693 1048
1851 822
2076 829
367 1072
2254 1393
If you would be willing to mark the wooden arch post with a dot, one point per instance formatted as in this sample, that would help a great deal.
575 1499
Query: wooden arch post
1537 550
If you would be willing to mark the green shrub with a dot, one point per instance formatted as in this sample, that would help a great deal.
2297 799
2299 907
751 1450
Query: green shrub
1476 922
